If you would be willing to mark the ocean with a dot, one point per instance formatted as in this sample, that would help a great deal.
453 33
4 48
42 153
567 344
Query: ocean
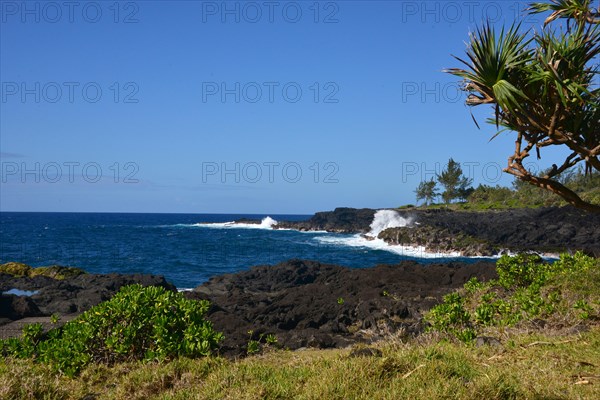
187 249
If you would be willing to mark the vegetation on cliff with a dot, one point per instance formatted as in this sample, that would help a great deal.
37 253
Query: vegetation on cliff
521 195
528 291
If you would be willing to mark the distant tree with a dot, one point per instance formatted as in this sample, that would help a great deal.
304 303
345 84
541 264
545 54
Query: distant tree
427 190
543 86
455 184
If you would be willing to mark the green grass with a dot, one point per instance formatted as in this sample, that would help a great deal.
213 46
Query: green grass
525 366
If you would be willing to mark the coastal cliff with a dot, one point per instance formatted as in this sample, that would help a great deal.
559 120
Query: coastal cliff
545 230
340 220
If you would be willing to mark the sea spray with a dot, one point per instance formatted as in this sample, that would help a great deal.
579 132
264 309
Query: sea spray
267 223
385 219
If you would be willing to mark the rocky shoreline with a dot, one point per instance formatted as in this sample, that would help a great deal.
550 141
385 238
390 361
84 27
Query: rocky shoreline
340 220
63 296
550 230
310 304
303 303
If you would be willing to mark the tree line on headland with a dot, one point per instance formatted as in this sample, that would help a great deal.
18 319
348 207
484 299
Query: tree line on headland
452 186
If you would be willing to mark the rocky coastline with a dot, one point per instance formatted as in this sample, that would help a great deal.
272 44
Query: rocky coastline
311 304
340 220
303 303
62 295
549 230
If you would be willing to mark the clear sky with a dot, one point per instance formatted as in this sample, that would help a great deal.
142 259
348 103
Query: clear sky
237 107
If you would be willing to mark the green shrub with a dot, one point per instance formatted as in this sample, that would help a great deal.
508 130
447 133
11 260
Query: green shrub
521 270
526 288
451 317
138 323
585 309
473 285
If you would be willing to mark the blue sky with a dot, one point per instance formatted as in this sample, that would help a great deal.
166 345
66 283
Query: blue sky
248 107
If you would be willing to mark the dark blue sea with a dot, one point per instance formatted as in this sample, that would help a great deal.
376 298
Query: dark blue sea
187 249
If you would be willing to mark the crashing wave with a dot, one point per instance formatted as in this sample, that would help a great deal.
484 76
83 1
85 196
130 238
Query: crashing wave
385 219
371 243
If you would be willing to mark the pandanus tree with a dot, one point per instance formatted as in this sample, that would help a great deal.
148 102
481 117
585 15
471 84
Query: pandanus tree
544 87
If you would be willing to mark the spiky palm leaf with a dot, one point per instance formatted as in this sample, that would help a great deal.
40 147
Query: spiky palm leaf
543 87
578 10
493 74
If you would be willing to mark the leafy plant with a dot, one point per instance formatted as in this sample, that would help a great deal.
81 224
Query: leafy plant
526 288
452 317
138 323
271 339
473 285
585 308
522 270
54 318
254 346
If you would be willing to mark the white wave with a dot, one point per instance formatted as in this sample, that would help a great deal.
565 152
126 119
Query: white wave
266 223
385 219
379 244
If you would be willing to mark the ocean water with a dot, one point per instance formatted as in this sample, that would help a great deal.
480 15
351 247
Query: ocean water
187 249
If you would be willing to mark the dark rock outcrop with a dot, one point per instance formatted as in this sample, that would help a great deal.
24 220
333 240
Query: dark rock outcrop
340 220
440 240
309 304
65 296
547 230
17 307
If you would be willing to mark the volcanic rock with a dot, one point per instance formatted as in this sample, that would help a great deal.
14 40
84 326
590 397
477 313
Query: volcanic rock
307 303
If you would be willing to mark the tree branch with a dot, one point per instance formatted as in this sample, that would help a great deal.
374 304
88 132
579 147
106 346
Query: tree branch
555 187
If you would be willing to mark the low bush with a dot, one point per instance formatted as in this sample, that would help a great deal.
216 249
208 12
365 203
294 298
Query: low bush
527 288
138 323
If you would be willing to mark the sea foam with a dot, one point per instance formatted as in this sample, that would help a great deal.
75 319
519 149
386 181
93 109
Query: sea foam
383 220
266 223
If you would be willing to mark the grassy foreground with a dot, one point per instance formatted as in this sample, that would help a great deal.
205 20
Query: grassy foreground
525 366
